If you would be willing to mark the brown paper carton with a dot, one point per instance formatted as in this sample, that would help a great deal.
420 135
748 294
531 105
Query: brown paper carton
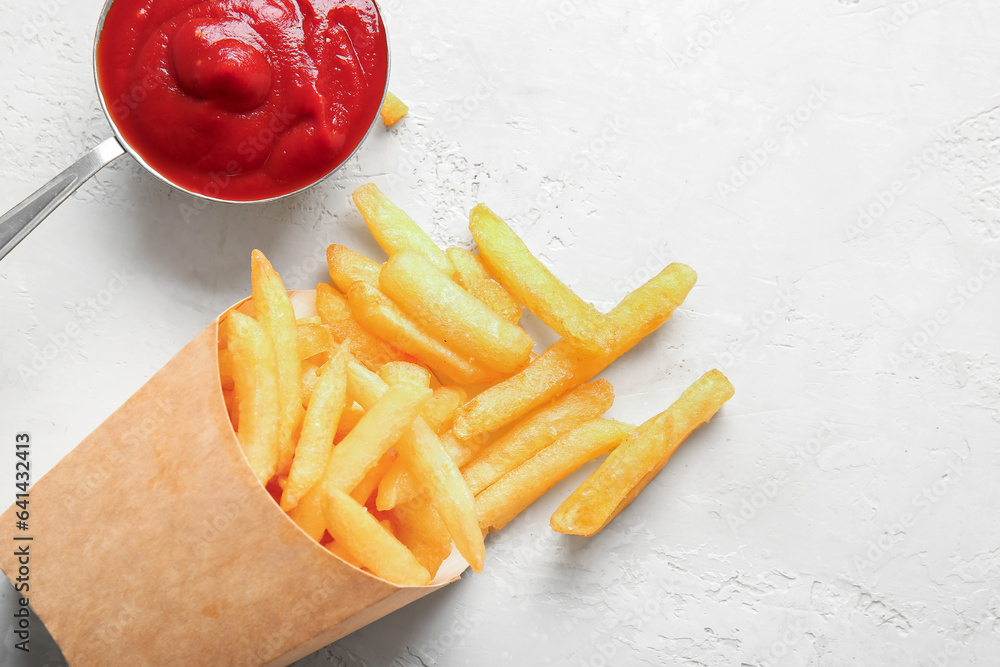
153 543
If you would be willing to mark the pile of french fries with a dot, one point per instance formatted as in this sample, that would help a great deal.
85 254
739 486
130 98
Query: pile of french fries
411 414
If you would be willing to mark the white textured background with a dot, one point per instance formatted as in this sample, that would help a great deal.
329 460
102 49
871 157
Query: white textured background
840 510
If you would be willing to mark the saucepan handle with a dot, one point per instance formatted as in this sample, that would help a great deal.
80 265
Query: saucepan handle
20 220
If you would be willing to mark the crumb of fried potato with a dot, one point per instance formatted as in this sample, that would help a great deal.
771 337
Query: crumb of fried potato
392 110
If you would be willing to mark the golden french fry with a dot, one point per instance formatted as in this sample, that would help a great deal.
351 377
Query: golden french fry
313 339
440 410
405 371
562 367
255 379
468 267
349 419
310 374
382 425
359 532
472 275
319 427
423 532
310 319
366 443
537 431
226 369
308 513
398 486
529 281
347 266
421 452
511 494
363 491
463 450
337 549
636 461
363 385
379 314
231 408
496 298
394 230
451 315
336 313
273 309
392 110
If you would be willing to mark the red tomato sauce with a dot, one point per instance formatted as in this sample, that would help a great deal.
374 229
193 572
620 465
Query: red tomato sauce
243 99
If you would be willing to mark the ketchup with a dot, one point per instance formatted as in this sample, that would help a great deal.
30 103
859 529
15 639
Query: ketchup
243 99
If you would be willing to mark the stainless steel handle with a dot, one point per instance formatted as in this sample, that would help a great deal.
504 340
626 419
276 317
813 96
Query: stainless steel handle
20 220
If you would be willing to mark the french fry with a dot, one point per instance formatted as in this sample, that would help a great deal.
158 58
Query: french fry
440 410
392 110
472 275
336 313
337 549
422 453
461 451
378 313
363 491
537 431
255 378
349 419
360 534
273 309
394 230
398 486
311 319
496 298
405 371
318 429
363 385
382 425
511 494
451 315
225 369
310 374
468 267
562 367
308 514
347 266
231 408
529 281
639 458
423 532
313 339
